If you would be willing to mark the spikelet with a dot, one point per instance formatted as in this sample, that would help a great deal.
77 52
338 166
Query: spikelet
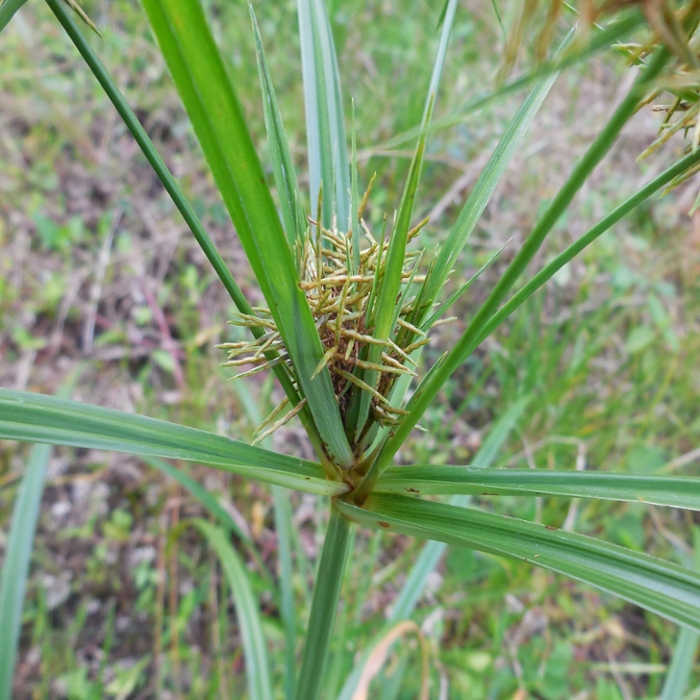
341 303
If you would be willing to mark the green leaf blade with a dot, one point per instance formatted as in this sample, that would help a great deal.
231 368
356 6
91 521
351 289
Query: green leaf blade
325 127
397 247
384 312
8 10
247 612
38 418
209 98
675 492
15 568
280 155
658 586
429 387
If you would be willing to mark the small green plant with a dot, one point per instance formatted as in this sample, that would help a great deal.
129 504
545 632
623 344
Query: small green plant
347 313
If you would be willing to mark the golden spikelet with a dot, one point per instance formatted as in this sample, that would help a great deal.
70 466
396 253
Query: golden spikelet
341 302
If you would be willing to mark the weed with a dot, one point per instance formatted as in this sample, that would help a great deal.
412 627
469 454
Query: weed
342 329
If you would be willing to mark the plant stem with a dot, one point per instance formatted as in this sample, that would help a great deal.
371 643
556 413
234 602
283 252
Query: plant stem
283 522
324 606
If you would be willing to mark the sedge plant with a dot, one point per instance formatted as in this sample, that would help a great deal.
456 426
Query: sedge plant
348 310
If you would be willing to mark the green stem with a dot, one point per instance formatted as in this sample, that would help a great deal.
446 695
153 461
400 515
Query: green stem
324 606
429 388
64 16
283 520
8 10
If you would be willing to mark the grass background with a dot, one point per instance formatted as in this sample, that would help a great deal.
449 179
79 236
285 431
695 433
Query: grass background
98 271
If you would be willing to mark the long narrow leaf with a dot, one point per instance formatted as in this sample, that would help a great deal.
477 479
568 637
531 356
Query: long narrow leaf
431 553
546 273
431 386
659 586
282 165
209 98
395 255
8 10
600 41
677 492
15 568
384 308
685 651
38 418
486 184
325 128
247 612
71 27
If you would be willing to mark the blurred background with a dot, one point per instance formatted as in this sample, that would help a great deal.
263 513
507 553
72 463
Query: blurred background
99 272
